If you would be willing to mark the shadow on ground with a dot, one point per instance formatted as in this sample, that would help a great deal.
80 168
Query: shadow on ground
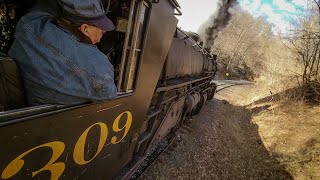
224 144
290 127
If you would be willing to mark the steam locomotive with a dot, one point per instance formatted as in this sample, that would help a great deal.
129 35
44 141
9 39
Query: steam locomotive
163 76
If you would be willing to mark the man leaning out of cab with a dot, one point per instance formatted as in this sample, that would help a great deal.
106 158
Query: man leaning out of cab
59 61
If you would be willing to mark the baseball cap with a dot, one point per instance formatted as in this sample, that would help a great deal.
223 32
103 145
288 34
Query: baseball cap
86 12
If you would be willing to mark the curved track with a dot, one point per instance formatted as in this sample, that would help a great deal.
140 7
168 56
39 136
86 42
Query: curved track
223 84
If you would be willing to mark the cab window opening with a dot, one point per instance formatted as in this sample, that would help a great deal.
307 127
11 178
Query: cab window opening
133 46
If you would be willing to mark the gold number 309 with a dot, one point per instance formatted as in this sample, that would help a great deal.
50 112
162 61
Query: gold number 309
57 147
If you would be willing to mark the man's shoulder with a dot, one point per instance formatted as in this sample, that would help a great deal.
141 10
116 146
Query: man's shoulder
36 16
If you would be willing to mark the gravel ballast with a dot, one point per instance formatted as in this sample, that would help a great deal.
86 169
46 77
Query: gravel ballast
224 144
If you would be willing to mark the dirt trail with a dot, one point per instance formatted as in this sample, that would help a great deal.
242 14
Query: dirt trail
234 140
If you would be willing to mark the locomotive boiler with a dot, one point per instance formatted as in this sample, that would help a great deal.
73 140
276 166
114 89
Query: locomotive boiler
163 76
182 89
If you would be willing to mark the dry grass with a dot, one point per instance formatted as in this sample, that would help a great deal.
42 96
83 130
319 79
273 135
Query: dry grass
289 127
291 130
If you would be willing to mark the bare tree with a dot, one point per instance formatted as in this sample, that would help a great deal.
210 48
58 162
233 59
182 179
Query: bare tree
304 41
243 42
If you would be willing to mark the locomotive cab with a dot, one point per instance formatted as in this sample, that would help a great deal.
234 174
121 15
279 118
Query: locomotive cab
123 46
92 140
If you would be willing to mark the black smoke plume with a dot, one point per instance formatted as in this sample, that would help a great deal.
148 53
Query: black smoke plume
217 21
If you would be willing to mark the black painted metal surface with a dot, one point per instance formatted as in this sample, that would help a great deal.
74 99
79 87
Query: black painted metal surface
93 141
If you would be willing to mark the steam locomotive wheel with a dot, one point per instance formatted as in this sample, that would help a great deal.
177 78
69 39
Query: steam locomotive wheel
201 103
212 91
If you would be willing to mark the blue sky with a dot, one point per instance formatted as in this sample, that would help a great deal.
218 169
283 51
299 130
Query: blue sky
278 12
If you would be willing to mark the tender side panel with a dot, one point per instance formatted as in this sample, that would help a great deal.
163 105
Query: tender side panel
89 142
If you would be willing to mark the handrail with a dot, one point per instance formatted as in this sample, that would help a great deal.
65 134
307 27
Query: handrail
179 12
177 4
176 7
204 51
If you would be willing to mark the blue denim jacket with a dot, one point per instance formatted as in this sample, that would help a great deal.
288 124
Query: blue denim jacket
56 67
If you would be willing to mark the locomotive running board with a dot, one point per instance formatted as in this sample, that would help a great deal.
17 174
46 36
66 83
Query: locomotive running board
167 88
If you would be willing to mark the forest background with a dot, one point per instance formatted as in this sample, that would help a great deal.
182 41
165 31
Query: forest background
250 48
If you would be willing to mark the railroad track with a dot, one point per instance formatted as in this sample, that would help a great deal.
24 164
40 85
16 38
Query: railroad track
223 84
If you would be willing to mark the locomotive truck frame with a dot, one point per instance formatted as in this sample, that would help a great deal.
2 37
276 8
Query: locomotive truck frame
163 78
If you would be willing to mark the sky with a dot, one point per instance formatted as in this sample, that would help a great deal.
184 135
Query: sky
277 12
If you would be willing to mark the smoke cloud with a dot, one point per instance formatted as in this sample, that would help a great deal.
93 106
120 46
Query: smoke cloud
216 23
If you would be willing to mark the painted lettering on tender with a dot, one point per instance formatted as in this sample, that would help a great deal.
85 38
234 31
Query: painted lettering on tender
78 153
56 168
126 127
